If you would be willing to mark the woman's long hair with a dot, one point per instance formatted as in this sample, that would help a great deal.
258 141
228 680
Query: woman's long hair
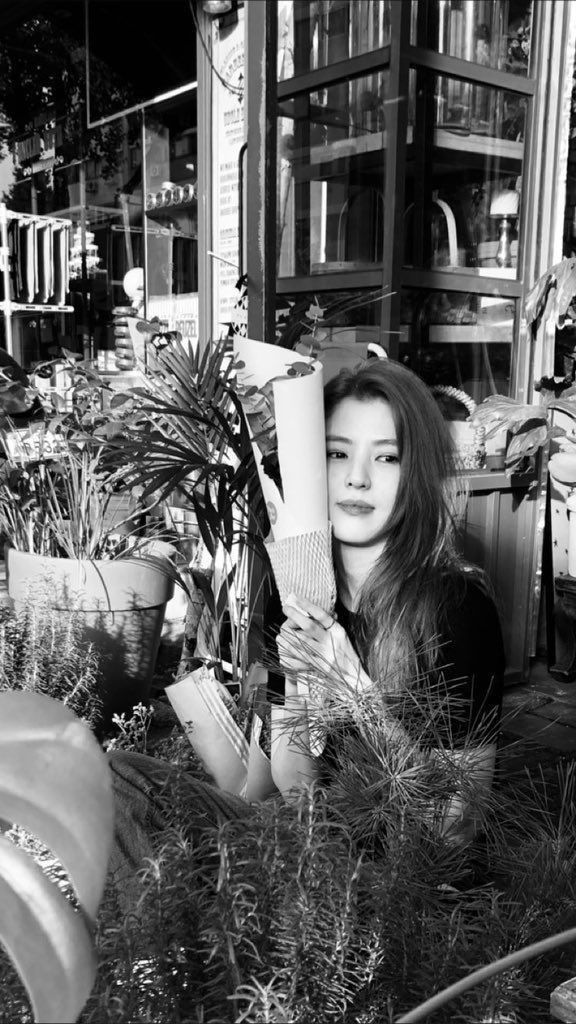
403 604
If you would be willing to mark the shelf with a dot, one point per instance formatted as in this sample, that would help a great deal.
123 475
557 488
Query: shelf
471 334
481 145
355 146
32 307
465 334
173 207
442 138
497 480
35 217
338 266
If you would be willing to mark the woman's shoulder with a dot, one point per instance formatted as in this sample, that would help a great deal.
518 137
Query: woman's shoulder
471 619
468 588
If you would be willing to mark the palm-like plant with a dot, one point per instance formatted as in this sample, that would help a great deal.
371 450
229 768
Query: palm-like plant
190 439
186 441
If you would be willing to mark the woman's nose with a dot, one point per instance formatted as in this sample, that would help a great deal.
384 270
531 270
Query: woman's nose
358 475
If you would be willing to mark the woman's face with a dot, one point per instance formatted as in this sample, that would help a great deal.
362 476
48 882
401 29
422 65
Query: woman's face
363 470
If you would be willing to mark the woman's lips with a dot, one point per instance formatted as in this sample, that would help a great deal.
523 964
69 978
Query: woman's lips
355 508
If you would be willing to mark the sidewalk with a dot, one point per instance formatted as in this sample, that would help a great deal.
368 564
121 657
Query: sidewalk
542 712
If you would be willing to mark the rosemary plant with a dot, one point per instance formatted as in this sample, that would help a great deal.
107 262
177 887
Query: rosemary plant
41 653
350 906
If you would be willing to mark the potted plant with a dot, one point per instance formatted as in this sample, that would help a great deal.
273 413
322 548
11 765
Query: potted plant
63 549
526 428
187 450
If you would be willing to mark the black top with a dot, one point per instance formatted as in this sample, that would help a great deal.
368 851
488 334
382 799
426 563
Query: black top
464 692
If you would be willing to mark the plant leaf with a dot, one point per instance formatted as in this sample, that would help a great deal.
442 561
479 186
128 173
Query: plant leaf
47 941
55 783
552 293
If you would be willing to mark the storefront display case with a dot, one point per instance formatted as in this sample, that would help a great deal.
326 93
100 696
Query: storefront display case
413 155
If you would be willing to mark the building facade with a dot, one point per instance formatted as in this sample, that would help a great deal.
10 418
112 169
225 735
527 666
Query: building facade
376 170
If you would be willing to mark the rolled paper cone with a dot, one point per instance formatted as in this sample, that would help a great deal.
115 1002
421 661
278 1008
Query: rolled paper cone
293 766
571 506
303 565
299 420
210 728
300 430
259 782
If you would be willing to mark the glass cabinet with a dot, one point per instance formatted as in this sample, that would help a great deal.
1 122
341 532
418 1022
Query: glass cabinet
401 143
404 160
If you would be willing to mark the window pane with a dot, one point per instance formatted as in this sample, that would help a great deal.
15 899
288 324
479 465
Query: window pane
138 51
458 339
344 318
463 175
172 213
315 35
331 153
493 33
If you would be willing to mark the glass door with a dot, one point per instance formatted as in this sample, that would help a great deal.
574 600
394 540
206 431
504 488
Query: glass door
400 142
335 153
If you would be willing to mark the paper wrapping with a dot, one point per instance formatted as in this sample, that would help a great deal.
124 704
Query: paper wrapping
299 421
303 565
237 765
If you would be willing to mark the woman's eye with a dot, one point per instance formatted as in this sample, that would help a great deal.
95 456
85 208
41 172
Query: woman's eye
391 459
335 454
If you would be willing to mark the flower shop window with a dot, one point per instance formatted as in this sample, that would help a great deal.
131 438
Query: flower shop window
137 52
462 340
346 319
312 36
464 163
171 212
331 166
492 33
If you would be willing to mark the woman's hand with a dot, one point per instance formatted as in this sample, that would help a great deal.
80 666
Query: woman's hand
311 640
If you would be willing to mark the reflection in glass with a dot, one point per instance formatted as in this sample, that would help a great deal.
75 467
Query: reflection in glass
331 149
172 214
493 33
314 35
137 51
458 339
347 319
467 214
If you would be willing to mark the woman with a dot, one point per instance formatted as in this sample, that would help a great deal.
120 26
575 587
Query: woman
410 613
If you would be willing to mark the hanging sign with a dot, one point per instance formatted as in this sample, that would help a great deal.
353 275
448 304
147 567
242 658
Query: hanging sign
229 135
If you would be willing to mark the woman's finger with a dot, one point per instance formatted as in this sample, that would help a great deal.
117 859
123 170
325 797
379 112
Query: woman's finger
303 623
303 605
298 619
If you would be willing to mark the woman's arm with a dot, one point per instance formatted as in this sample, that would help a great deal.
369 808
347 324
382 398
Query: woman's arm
312 642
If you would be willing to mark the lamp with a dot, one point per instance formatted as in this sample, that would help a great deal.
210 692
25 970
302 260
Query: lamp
216 6
505 205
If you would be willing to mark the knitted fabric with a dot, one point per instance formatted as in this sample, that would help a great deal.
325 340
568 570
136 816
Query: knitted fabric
144 790
303 565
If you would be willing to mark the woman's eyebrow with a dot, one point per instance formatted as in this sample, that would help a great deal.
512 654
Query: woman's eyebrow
378 441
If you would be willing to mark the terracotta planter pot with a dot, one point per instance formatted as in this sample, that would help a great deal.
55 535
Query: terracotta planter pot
120 605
